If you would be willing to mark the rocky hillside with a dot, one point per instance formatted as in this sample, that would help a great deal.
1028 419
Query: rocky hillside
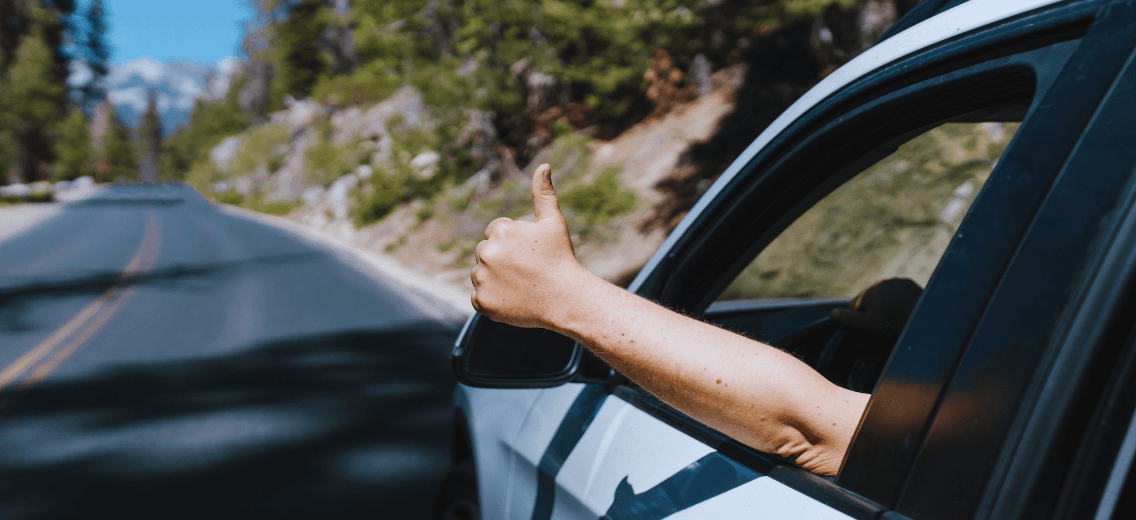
413 134
609 189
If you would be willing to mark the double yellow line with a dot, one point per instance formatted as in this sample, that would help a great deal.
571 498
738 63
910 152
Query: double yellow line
65 341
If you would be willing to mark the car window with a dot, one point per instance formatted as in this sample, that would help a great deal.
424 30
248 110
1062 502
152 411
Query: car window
895 219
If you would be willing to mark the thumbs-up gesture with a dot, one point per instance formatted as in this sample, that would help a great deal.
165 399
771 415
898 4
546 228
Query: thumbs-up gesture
525 271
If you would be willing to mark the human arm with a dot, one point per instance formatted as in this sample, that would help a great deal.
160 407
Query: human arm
527 275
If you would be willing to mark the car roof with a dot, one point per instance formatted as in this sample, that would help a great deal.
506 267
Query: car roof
958 19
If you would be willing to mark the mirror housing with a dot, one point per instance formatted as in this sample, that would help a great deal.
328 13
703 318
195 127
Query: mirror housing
488 354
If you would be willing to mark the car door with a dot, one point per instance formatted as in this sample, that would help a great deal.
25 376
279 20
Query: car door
639 458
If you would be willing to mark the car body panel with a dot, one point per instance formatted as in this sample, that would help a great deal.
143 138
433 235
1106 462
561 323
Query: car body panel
494 417
760 499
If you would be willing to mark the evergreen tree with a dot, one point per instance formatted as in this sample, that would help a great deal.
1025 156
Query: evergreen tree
117 160
98 52
73 151
301 62
150 140
34 99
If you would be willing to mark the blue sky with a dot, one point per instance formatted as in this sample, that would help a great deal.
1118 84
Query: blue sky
205 30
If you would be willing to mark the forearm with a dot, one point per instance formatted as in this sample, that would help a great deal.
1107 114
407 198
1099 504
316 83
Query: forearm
527 275
757 394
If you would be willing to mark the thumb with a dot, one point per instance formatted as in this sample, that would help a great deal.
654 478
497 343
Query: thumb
544 198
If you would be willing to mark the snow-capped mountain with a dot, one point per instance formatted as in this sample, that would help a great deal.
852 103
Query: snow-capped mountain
178 84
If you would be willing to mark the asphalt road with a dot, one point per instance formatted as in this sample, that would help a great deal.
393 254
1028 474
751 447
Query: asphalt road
162 359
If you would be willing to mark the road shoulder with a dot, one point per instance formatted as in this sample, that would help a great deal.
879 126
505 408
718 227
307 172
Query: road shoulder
17 220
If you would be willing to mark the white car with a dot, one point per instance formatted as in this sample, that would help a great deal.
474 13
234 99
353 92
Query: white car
984 149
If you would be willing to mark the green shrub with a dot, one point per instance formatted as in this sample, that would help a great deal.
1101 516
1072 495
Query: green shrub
262 146
602 200
272 207
229 197
386 193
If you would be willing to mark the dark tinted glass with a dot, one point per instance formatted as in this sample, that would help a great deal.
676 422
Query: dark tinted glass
501 350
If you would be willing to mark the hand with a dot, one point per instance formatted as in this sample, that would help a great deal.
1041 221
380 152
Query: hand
882 308
525 271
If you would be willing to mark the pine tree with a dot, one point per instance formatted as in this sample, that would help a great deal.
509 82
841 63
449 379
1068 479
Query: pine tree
117 160
98 53
301 61
73 151
150 140
35 104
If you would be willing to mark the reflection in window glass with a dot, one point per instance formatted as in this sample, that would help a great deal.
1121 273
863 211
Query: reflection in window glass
895 219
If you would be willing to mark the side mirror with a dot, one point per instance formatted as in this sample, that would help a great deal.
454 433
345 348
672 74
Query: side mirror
494 355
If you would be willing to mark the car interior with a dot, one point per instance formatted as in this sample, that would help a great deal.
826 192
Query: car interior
892 220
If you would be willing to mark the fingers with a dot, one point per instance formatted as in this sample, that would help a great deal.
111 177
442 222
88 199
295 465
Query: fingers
497 226
478 251
544 197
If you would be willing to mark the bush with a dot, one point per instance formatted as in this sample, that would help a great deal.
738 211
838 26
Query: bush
263 146
602 200
386 193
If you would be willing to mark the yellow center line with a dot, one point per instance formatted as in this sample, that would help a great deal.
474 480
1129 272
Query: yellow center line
92 318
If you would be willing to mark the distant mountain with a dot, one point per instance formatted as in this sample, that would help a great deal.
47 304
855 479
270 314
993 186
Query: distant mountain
178 83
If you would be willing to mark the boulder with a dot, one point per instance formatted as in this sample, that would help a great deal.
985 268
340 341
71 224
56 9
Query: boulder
313 196
364 172
243 185
425 163
337 195
223 154
299 114
15 190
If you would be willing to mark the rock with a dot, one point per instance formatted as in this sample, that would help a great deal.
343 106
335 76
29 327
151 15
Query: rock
337 195
874 20
254 95
542 88
61 186
700 75
318 221
223 154
82 182
313 196
40 187
243 185
15 190
424 164
221 187
298 115
479 136
364 172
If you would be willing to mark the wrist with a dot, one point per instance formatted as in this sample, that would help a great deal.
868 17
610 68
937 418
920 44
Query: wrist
573 306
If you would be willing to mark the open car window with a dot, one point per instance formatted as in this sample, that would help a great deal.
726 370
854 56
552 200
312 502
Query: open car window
895 219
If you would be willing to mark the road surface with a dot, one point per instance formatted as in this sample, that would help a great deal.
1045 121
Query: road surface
162 359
